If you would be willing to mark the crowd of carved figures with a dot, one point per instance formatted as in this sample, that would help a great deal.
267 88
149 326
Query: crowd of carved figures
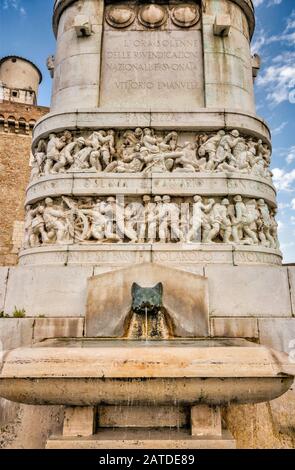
142 150
151 219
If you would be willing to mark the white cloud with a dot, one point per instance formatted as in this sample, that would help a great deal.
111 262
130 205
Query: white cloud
280 128
274 2
257 2
14 4
278 79
284 205
291 155
283 180
271 3
293 204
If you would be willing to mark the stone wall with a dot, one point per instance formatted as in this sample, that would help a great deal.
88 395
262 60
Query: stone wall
16 125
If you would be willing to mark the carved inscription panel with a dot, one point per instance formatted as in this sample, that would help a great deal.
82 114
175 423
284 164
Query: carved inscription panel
152 71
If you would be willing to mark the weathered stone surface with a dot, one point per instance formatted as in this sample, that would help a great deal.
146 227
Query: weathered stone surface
109 300
81 184
8 413
184 256
81 372
57 328
228 75
254 255
79 421
152 69
263 425
234 327
247 291
50 256
205 421
74 55
291 272
50 291
197 119
282 410
141 416
29 427
278 333
138 439
51 186
16 332
3 285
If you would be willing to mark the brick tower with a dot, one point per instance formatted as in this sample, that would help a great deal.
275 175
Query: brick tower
19 83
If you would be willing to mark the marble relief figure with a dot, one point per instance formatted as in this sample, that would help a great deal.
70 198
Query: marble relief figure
147 219
145 151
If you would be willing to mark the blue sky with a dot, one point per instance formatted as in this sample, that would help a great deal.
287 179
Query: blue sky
25 30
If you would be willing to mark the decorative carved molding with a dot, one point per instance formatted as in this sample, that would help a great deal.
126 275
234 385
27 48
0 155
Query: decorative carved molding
151 15
185 15
120 16
145 151
69 220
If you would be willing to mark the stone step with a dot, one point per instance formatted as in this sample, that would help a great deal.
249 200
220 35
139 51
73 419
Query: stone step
148 438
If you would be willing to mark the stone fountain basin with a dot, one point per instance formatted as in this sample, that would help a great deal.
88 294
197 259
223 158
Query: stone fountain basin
83 372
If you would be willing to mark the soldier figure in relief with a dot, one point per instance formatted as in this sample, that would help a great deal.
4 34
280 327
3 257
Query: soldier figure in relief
54 146
109 210
265 225
209 147
55 222
38 160
200 222
35 233
242 224
143 219
169 221
97 222
131 163
81 157
220 223
188 161
65 156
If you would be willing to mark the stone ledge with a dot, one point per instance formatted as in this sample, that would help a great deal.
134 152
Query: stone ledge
200 119
234 327
45 328
178 184
137 439
124 254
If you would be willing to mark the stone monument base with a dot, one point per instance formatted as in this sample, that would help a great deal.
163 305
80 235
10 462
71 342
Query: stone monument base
143 439
178 427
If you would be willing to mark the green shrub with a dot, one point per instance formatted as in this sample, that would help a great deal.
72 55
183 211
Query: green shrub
19 313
